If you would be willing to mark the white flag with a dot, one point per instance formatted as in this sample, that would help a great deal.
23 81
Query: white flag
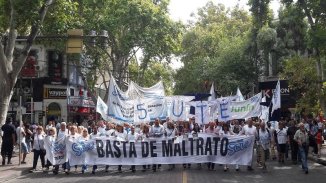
276 99
239 95
102 108
212 92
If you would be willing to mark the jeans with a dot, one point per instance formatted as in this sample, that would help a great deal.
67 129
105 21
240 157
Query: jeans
303 154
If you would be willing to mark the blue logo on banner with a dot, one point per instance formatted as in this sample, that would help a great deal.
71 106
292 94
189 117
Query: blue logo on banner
59 147
80 147
238 145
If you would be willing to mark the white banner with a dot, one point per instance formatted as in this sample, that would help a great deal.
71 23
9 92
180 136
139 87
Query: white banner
229 109
178 108
202 149
122 104
55 150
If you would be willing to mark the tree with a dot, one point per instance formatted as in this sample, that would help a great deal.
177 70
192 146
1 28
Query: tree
10 64
213 50
303 81
134 25
314 11
154 73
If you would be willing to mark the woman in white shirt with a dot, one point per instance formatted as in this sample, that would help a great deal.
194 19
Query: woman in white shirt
94 135
84 137
38 148
72 137
225 132
49 141
121 136
132 137
170 133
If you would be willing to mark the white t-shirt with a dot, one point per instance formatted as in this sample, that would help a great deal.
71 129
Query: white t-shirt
281 136
62 134
264 139
121 136
38 142
94 136
246 130
170 133
101 130
20 131
132 137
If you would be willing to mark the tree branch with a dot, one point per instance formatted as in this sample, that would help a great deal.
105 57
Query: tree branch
31 37
11 37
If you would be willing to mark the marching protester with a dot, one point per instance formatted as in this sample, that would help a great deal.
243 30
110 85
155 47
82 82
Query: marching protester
94 135
195 131
186 130
84 137
132 136
250 130
38 148
264 138
8 141
302 138
293 144
50 140
211 130
121 136
157 131
49 125
21 141
144 136
63 131
282 141
257 125
225 132
271 130
28 138
170 133
110 133
72 137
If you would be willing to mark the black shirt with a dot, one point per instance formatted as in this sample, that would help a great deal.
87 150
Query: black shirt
8 132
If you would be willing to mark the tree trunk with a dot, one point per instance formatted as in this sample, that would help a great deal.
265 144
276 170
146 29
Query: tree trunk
5 95
9 69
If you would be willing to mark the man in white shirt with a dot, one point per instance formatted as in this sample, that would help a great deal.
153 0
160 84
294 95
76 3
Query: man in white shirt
21 141
63 131
249 129
282 140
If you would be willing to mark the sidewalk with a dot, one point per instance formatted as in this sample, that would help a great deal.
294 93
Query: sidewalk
8 172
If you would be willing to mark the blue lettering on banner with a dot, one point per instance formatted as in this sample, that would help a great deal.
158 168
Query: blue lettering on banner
223 107
141 109
80 147
115 92
238 145
202 111
177 115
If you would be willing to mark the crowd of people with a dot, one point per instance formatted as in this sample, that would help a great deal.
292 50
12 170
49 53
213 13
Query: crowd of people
274 140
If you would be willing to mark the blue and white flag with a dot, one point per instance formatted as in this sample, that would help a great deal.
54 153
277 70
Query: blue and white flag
102 108
239 96
276 99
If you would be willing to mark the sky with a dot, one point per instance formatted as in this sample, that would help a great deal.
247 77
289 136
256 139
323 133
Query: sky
182 9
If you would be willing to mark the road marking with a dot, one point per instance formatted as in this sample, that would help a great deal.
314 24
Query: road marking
184 177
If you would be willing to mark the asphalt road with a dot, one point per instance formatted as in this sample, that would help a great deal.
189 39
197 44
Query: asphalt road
276 173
